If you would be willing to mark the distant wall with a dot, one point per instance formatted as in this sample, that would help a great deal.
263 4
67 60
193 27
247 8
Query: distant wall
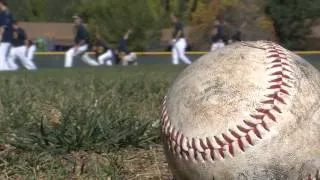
61 32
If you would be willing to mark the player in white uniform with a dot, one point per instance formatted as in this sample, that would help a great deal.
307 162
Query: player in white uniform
81 45
217 40
103 53
126 57
179 43
5 34
22 48
31 49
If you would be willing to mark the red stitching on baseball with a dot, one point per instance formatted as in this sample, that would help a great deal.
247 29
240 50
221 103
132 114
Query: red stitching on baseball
241 145
227 138
209 148
221 151
243 129
219 141
248 138
256 131
231 149
250 124
314 177
277 108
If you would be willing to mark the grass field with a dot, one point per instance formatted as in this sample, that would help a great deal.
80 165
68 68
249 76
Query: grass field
99 123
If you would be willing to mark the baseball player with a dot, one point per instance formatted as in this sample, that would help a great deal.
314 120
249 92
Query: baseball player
103 53
6 34
217 40
127 57
31 49
22 48
236 37
178 42
81 45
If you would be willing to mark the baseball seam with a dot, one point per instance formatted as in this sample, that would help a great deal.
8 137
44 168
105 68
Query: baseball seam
249 131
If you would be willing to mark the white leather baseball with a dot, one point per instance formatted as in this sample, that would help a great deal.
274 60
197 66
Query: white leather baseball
248 111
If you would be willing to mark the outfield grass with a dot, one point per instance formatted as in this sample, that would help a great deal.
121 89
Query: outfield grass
53 122
99 123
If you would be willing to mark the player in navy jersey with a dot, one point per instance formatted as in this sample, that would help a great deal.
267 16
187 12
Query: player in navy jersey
81 45
178 42
103 52
123 54
21 48
6 34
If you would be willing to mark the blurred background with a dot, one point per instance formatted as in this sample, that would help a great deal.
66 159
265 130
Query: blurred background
292 23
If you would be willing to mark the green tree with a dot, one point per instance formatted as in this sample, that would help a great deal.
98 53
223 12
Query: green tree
42 10
293 19
18 9
35 10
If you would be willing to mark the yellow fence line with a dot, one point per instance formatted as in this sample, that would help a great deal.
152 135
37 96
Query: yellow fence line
307 52
168 53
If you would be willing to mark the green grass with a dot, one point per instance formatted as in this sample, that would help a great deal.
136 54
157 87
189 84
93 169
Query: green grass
99 123
50 114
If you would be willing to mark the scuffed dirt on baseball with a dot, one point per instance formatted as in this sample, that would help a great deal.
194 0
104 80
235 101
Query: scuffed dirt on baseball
214 95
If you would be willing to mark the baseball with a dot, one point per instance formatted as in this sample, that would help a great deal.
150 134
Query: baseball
248 111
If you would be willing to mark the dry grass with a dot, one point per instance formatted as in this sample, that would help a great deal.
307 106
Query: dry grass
83 124
146 164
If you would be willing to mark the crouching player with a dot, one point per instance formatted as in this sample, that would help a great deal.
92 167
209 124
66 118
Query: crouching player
103 53
123 53
130 58
22 48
